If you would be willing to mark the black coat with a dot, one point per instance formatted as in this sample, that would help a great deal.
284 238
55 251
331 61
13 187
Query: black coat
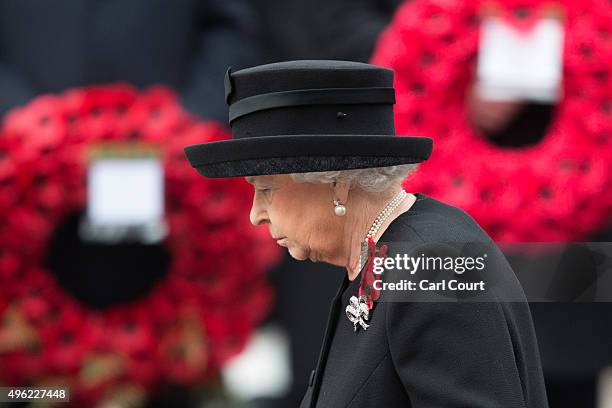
323 29
426 355
48 46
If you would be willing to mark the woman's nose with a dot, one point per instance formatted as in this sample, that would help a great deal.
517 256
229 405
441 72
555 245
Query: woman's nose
257 215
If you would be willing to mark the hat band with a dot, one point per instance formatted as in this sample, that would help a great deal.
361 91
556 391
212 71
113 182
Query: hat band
302 97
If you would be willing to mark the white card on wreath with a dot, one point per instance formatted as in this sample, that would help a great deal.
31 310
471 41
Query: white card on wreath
514 65
125 191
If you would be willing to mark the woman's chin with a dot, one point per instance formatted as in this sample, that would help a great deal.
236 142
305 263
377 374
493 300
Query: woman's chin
297 253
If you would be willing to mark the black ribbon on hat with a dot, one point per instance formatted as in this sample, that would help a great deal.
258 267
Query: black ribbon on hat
303 97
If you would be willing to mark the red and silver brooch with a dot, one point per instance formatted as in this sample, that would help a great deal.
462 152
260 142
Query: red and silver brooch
359 307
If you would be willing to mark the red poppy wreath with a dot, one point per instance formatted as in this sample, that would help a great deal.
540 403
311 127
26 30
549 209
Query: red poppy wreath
554 190
190 320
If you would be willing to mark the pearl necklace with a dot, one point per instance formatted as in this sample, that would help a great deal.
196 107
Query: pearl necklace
380 219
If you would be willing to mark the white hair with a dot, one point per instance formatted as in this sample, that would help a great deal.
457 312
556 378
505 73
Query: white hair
375 180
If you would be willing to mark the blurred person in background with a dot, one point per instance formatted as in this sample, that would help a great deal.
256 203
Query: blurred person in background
320 29
186 44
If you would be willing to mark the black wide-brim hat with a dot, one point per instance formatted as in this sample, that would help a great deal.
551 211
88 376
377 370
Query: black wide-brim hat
305 116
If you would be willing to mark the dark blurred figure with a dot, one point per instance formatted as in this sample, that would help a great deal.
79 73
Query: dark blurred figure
48 46
323 29
575 342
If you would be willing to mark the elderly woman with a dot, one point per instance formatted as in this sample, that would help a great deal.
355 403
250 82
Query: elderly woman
316 139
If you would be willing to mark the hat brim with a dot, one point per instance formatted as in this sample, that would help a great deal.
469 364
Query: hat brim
304 153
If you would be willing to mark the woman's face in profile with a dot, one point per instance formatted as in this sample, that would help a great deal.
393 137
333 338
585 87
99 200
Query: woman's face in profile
300 215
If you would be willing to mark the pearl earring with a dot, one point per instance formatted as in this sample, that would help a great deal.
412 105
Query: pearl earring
339 209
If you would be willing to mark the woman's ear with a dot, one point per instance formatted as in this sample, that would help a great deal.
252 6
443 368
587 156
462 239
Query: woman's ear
340 190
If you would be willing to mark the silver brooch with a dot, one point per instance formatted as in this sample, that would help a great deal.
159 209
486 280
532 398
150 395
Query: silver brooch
358 312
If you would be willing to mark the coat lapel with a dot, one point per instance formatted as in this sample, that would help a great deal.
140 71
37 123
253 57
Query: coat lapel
314 383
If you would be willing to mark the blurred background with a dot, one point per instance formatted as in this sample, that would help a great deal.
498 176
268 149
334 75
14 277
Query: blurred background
135 282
